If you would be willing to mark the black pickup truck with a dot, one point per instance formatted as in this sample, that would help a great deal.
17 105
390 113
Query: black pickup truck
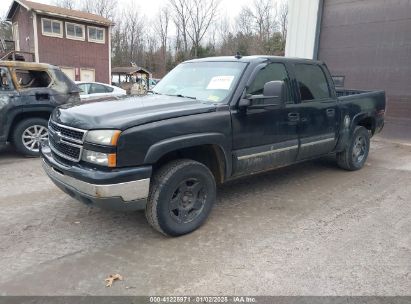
208 121
29 92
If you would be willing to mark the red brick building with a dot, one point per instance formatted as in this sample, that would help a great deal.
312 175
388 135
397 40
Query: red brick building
78 42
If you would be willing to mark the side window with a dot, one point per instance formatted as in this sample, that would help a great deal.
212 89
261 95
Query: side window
109 89
97 88
272 72
84 87
311 82
33 78
5 83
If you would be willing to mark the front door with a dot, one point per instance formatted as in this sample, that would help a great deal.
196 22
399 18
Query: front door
318 111
265 136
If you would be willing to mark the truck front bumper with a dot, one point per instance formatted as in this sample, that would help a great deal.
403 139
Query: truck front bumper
98 187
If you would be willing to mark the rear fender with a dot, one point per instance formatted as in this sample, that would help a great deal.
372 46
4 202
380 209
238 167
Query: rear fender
348 127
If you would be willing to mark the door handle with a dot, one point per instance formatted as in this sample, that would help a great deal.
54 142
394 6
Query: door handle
293 117
330 112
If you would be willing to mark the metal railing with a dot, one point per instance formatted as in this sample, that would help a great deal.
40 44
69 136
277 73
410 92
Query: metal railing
18 56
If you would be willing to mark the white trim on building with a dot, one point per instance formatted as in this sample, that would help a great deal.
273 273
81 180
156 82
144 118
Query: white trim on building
35 37
109 54
304 19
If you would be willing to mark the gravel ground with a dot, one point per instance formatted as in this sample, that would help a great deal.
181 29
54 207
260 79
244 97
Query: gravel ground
309 229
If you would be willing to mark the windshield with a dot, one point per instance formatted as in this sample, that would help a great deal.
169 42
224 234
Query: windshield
206 81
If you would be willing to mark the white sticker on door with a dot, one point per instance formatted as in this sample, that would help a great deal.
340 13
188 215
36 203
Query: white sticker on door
220 83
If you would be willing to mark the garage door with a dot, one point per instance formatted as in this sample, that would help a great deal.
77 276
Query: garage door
87 74
70 72
369 43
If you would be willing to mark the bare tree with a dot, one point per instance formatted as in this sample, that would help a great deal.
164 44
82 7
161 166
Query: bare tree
70 4
105 8
5 30
245 22
162 25
181 10
202 13
283 20
133 30
262 17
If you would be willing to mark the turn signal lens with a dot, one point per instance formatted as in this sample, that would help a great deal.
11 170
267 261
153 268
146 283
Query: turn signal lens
112 160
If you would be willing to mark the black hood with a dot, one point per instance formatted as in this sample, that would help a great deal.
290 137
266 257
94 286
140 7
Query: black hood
125 113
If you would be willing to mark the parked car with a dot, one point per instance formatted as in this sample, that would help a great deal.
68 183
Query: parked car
28 94
207 122
97 90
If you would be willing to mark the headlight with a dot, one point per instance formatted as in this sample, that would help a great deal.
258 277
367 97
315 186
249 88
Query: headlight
103 137
98 158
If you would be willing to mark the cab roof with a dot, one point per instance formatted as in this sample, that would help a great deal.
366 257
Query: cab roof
255 59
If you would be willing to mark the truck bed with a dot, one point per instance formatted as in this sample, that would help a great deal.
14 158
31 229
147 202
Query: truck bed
368 100
349 92
361 102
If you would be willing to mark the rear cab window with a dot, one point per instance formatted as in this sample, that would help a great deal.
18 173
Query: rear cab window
312 82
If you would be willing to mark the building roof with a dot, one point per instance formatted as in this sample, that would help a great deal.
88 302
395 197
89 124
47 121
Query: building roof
128 70
58 12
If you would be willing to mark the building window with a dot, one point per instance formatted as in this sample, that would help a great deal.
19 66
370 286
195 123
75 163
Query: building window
53 28
75 31
96 34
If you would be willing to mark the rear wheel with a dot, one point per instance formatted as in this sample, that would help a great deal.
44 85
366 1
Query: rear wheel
181 196
355 155
29 134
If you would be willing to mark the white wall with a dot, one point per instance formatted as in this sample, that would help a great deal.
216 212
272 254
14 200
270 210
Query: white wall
302 28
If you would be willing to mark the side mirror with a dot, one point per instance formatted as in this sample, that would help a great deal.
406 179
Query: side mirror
274 89
244 103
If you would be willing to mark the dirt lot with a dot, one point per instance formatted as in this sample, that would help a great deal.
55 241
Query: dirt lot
310 229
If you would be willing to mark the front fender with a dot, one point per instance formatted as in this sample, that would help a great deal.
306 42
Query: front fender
161 148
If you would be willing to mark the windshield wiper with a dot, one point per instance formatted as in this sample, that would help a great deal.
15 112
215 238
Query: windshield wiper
183 96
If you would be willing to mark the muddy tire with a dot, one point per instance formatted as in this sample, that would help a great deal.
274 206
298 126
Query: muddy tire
182 194
355 155
28 134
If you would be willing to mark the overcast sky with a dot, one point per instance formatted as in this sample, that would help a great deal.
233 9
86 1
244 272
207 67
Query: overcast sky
150 7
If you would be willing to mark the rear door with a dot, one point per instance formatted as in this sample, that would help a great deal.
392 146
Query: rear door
318 111
265 135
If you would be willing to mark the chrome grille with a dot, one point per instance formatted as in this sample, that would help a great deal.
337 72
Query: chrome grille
65 141
66 132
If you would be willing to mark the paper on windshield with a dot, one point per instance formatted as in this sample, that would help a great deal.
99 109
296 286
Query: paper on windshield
220 83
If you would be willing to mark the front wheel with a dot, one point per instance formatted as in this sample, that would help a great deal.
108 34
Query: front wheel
181 196
356 153
29 134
